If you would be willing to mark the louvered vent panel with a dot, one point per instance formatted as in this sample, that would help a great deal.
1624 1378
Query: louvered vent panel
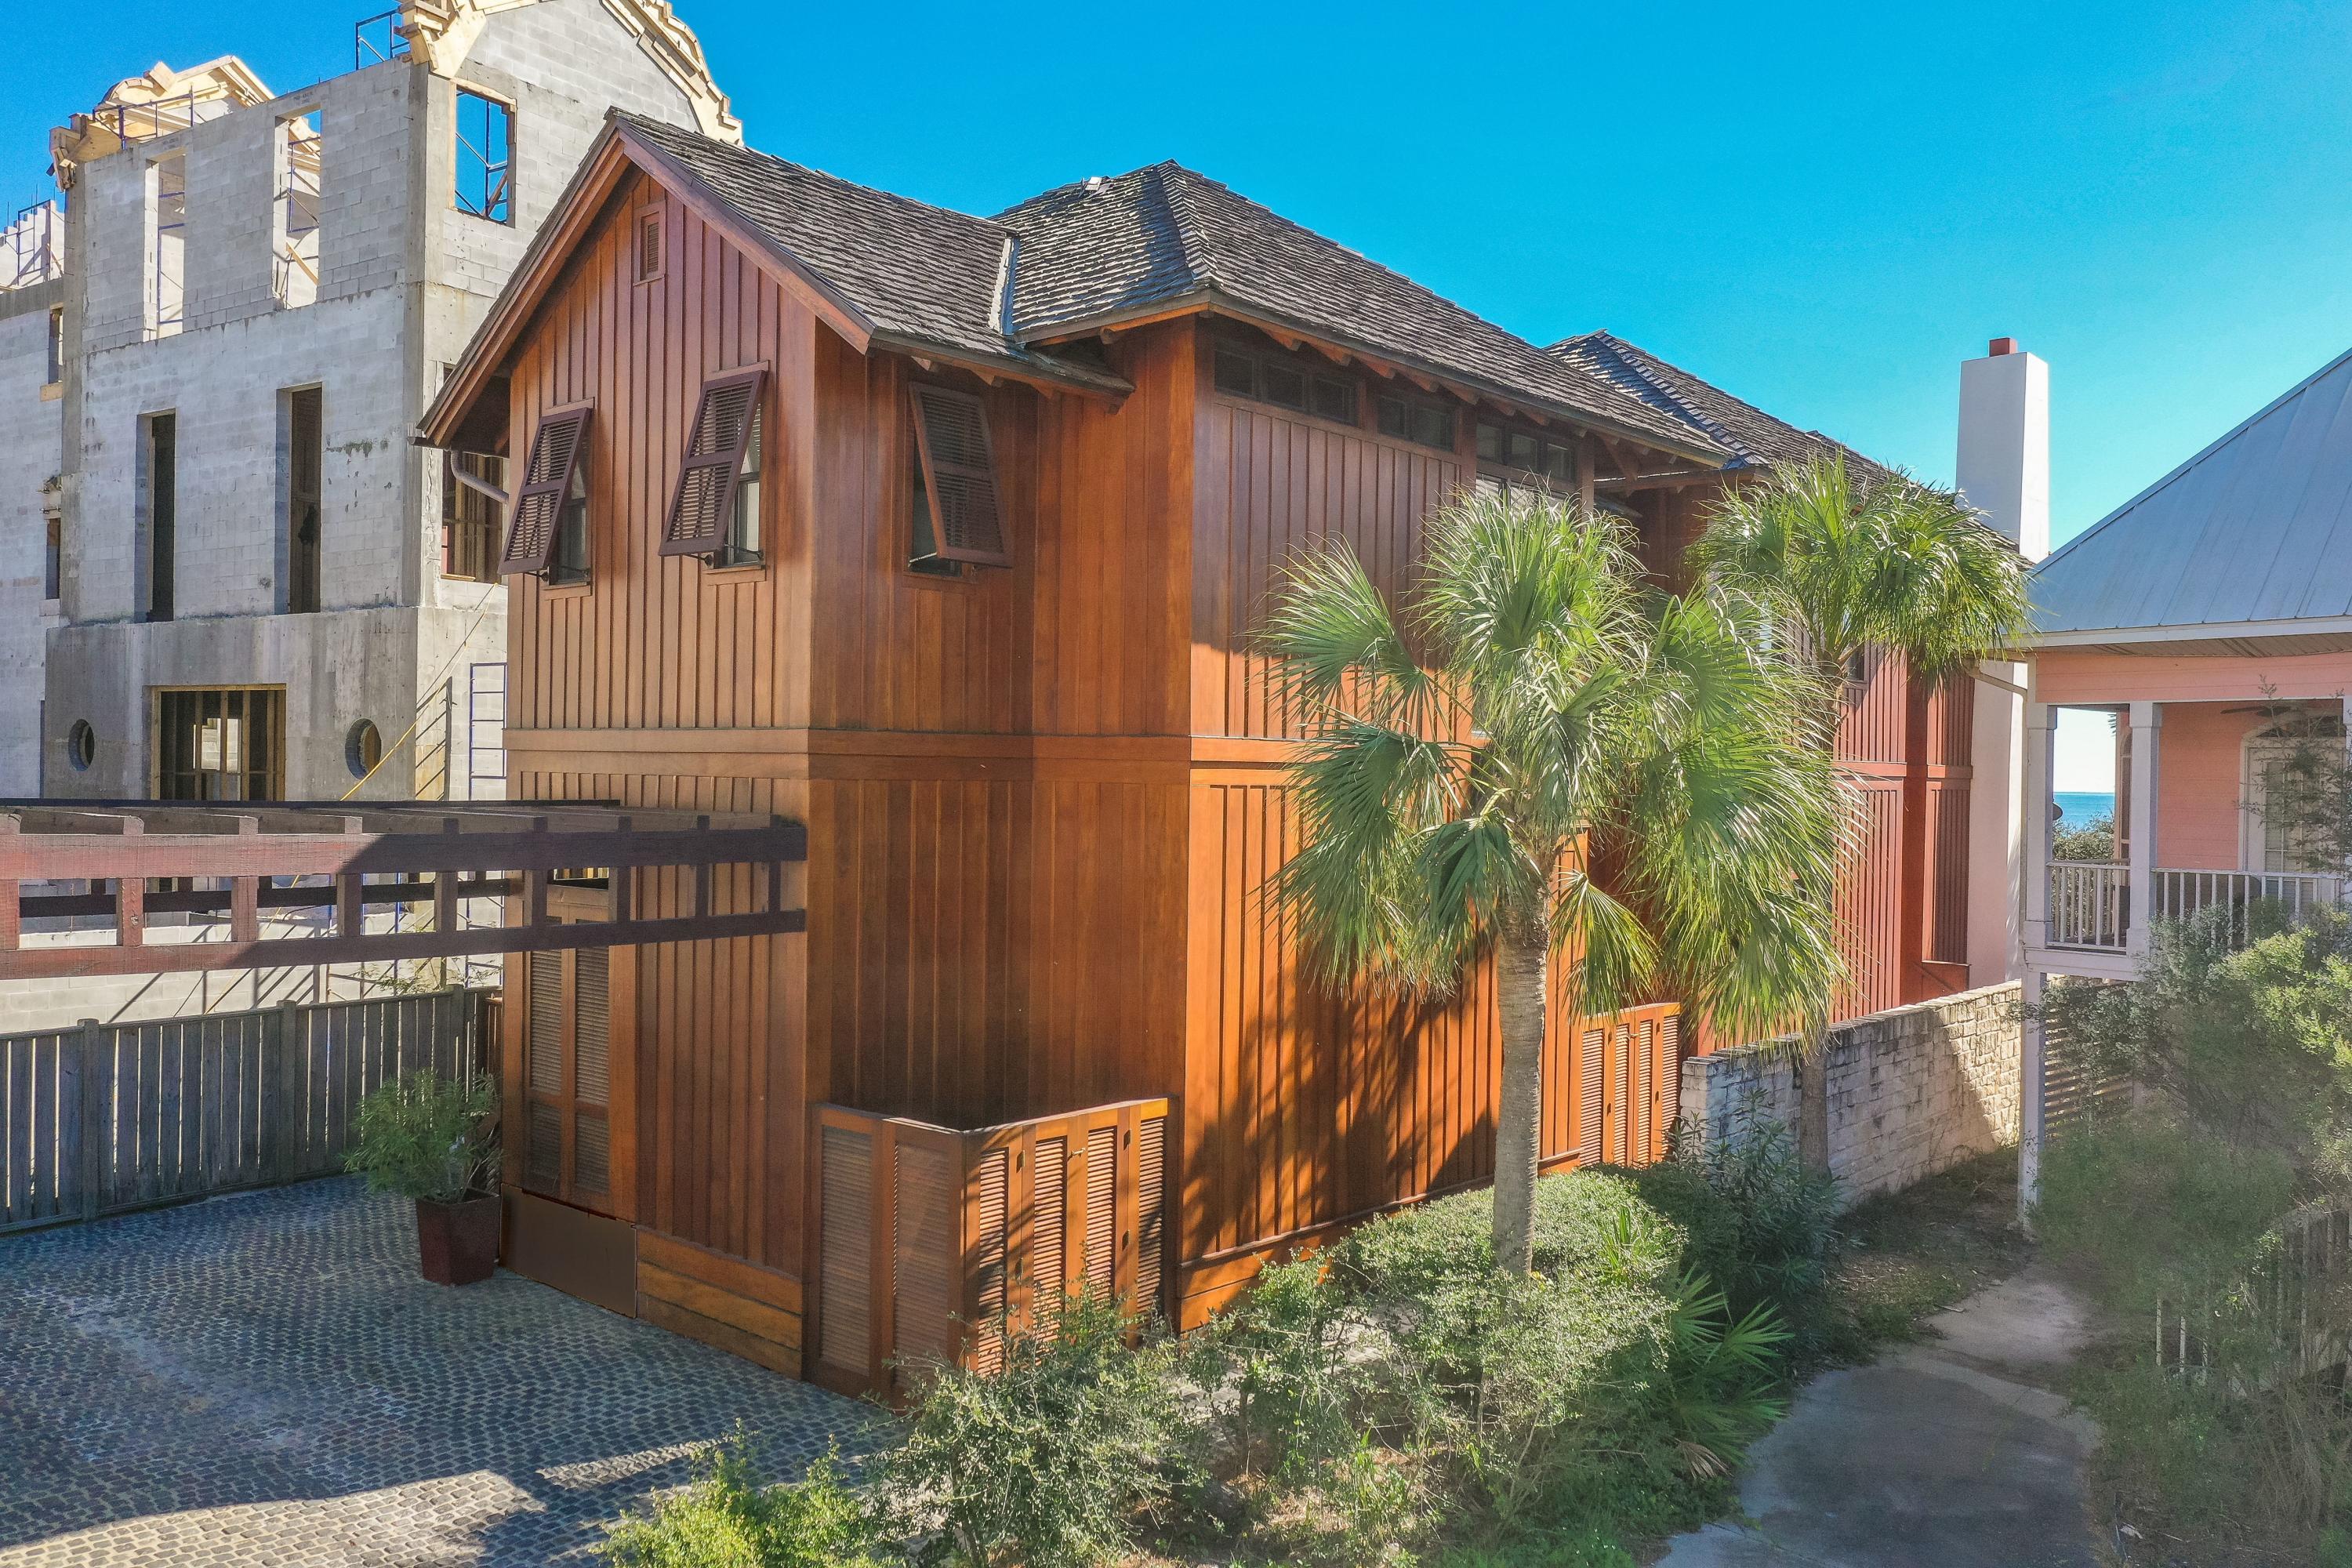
542 1169
649 246
592 1153
845 1251
1049 1225
591 1040
1102 1221
1152 1211
1645 1085
543 1042
923 1242
1621 1050
989 1193
1591 1101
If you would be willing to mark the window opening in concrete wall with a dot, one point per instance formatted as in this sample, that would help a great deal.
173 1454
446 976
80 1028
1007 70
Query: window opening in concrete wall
163 512
305 459
81 745
167 248
362 749
53 558
57 345
485 157
220 743
301 172
469 519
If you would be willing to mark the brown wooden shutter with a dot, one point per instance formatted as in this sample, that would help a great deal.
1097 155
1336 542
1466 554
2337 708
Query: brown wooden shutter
543 1065
1620 1071
705 499
926 1263
1151 1218
555 452
960 474
1049 1239
1102 1219
845 1256
989 1205
591 1069
1591 1102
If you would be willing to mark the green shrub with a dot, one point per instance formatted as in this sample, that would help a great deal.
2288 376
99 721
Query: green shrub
2095 840
424 1136
726 1518
1759 1223
1054 1460
1278 1351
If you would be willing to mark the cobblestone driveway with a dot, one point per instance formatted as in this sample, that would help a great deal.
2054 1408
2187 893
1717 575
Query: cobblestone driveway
263 1380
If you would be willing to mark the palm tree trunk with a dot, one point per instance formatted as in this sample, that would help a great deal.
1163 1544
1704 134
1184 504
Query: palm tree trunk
1518 1110
1813 1102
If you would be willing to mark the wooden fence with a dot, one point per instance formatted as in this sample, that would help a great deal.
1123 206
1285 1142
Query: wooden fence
931 1240
104 1117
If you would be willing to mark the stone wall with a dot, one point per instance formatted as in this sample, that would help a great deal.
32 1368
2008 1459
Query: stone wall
1912 1090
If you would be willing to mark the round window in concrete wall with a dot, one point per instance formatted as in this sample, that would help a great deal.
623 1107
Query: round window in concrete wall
362 749
81 745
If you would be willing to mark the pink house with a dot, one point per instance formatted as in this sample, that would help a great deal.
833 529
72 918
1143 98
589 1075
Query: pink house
2207 615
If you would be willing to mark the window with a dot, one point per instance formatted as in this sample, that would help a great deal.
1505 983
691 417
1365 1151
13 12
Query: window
305 458
362 749
161 502
550 533
220 743
1411 419
959 515
1511 454
57 345
81 745
167 246
53 559
469 517
649 246
485 157
1266 377
301 174
715 511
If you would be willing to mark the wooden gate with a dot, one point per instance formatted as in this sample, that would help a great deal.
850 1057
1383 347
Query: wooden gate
1610 1086
104 1117
931 1242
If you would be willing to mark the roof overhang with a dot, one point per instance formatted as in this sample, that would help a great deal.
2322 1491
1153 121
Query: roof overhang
2280 636
1210 300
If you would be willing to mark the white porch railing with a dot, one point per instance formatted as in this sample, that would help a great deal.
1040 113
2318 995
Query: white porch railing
2090 905
2295 895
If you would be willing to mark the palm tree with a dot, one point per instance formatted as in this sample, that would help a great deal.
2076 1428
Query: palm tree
1846 568
1528 706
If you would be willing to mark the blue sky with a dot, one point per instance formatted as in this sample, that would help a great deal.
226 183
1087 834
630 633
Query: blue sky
1823 208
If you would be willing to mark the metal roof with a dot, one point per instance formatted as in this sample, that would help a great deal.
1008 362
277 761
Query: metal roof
2255 530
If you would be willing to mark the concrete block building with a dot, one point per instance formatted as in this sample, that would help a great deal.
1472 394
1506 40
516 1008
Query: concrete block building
237 577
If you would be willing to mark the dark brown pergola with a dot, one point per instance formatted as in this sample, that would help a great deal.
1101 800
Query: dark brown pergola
557 864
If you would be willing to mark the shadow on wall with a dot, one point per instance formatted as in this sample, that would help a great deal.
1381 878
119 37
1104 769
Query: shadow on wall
1912 1090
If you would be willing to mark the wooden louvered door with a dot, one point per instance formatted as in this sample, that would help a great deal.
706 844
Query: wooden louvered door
577 1062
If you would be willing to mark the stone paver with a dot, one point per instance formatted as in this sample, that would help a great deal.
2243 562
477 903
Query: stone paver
264 1380
1950 1455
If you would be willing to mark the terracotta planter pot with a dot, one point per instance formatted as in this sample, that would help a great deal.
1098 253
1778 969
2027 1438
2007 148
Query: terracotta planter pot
458 1244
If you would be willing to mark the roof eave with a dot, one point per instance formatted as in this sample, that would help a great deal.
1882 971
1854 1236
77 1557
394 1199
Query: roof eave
1206 299
2193 631
1036 369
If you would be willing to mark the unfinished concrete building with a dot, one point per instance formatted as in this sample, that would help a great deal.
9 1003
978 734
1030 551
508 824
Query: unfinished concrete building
259 589
32 355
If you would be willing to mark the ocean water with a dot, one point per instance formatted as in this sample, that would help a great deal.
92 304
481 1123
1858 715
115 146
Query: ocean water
2078 808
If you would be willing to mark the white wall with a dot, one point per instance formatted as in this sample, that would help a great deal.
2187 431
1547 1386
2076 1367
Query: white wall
30 455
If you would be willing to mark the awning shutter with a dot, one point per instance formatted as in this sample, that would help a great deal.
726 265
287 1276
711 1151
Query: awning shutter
555 453
705 497
959 475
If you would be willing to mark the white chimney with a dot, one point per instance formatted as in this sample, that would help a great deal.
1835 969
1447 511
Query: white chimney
2004 461
2004 472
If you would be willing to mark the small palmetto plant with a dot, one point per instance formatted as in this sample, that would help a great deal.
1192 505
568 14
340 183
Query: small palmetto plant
1526 708
1833 567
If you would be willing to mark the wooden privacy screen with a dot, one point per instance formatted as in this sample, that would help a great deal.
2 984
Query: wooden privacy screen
1611 1086
929 1239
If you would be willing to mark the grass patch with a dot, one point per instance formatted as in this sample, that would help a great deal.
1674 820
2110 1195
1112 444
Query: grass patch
1903 1256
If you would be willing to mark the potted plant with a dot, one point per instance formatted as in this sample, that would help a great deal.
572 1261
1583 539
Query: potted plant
431 1140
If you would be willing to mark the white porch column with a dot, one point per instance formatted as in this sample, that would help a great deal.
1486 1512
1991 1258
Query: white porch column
2146 722
2030 1074
2038 782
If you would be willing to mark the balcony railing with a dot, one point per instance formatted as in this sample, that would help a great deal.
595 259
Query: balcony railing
2090 901
2090 905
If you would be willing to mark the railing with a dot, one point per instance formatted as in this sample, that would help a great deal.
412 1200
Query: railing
2295 1299
32 248
378 38
2090 905
2293 896
161 116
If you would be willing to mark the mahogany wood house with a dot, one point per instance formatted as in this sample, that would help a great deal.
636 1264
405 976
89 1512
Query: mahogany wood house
944 536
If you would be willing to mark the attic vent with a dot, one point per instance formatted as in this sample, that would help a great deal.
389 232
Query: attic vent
649 246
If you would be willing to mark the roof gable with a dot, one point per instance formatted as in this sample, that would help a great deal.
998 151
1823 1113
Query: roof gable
2255 528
